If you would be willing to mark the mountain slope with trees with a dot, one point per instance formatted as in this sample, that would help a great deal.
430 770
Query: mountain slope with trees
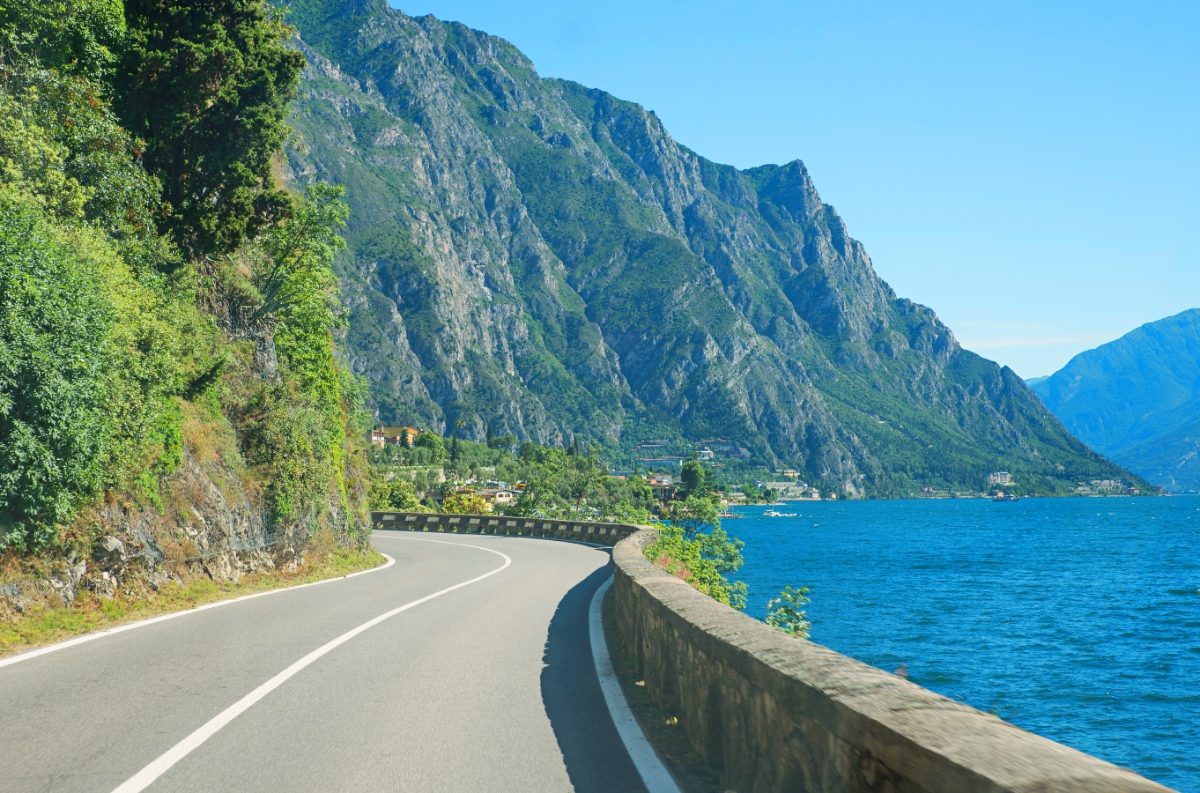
1137 400
169 394
531 256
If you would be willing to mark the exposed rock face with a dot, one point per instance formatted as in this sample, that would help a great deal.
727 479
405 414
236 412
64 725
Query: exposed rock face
211 526
536 257
1137 400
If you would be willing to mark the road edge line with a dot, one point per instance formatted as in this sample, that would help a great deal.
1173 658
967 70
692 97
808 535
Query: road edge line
37 652
655 775
168 759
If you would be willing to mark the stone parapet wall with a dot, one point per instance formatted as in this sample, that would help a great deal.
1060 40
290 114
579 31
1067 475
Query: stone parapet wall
775 714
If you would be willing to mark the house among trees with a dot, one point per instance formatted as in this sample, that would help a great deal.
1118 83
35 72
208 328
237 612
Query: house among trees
1000 478
396 436
662 486
499 496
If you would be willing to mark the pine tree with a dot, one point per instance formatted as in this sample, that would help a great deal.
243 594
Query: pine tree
206 85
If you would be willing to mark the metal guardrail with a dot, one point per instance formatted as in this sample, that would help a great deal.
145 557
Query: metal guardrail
588 531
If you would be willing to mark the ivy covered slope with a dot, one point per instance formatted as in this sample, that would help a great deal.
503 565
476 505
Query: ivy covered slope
168 386
531 256
1137 400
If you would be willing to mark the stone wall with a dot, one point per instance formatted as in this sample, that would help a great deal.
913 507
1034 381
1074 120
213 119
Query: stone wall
775 714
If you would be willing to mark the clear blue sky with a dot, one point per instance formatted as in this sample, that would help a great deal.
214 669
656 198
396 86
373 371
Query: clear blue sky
1030 170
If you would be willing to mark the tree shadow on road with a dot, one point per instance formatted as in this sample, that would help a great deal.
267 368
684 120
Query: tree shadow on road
596 759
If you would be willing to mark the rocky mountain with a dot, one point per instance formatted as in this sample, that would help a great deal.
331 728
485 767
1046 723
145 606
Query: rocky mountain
1137 400
533 256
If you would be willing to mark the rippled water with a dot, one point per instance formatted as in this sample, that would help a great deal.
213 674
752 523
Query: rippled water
1078 619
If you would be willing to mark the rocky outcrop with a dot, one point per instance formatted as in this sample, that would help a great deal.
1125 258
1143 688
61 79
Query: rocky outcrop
208 523
537 257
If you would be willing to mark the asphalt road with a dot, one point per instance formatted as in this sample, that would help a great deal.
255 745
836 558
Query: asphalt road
487 687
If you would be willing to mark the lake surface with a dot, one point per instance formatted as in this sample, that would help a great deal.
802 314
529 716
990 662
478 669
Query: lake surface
1078 619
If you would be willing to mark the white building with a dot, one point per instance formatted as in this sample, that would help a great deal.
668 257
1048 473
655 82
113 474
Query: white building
1000 478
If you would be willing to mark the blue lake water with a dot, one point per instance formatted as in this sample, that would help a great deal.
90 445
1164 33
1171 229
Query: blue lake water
1078 619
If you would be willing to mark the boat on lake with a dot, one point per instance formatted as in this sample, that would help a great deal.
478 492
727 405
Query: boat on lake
774 513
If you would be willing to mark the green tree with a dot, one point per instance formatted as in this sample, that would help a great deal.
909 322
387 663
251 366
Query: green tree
465 504
292 262
695 513
704 561
786 612
55 361
582 473
60 142
207 85
504 442
434 443
393 495
81 37
292 300
528 451
694 480
542 470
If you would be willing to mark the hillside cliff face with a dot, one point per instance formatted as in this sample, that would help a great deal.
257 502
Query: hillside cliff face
528 255
1137 400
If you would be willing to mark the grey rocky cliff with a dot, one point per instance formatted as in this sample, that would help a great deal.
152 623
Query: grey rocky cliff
210 526
529 255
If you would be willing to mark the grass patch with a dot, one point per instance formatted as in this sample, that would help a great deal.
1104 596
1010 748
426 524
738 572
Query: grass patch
91 612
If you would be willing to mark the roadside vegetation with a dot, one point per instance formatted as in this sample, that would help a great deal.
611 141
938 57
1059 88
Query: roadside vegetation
693 546
447 475
91 612
786 612
167 319
152 269
453 475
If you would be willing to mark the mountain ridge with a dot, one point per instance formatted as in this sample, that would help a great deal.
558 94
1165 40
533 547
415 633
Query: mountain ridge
1137 399
534 256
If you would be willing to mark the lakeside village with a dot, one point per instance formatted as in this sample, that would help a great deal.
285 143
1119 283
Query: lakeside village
419 469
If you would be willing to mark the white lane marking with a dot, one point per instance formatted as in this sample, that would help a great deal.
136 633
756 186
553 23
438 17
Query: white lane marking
91 637
146 777
654 774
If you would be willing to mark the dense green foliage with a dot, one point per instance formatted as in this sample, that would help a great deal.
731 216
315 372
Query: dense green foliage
694 479
704 559
79 37
291 294
54 365
548 481
395 494
786 612
110 337
206 85
93 344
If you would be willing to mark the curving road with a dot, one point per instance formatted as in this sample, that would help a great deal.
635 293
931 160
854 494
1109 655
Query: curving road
470 670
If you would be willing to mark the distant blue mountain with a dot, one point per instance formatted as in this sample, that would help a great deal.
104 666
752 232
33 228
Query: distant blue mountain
1136 400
